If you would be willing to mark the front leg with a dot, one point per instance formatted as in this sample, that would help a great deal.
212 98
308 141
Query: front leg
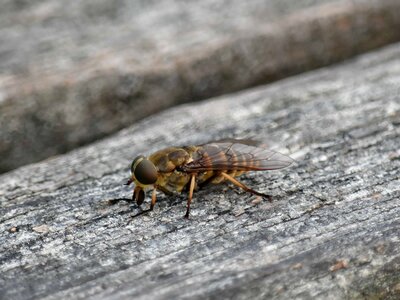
116 200
137 195
153 202
191 188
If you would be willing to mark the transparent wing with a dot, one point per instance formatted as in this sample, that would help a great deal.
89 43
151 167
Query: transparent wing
236 155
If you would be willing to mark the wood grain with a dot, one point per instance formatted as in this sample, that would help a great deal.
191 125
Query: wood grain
331 232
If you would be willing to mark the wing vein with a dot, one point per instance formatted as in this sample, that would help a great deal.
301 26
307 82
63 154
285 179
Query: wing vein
236 155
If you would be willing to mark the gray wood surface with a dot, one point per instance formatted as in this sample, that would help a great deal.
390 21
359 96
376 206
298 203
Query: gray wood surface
332 231
84 72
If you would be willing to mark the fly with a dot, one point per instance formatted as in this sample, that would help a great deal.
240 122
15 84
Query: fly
173 169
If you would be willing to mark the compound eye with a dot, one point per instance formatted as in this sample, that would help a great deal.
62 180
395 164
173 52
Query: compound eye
145 172
135 162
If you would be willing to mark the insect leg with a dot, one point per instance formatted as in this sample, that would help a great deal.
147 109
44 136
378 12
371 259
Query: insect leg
114 201
139 195
153 199
192 184
137 215
241 185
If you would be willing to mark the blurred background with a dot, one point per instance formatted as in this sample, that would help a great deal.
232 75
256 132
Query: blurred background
72 72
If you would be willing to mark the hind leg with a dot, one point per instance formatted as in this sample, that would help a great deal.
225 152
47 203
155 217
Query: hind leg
244 187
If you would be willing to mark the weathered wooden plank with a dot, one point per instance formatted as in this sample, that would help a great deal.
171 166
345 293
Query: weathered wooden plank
99 66
332 231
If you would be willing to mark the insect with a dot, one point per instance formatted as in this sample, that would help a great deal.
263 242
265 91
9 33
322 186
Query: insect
173 169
